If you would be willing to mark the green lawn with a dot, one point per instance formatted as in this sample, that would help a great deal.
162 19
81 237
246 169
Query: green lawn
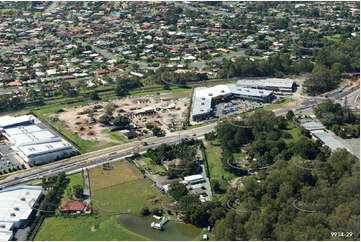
132 195
79 229
294 131
335 37
153 167
173 90
75 179
214 161
115 135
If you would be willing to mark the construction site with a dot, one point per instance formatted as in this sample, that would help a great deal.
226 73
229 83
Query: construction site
163 111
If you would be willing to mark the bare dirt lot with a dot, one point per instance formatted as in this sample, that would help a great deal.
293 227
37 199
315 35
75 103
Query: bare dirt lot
163 111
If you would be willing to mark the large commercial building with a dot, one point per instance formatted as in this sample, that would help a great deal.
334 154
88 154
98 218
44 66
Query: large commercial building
33 142
274 84
16 208
203 98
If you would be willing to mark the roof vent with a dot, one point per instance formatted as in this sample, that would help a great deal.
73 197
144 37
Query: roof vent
23 199
2 226
17 209
12 214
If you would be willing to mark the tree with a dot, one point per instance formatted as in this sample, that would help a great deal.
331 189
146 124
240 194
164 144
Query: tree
158 132
94 95
177 190
78 190
290 115
121 122
105 119
109 109
145 211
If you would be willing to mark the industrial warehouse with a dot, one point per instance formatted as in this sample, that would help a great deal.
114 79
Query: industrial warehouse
261 90
32 141
17 208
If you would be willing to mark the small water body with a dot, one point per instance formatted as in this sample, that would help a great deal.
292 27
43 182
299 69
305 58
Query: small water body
172 230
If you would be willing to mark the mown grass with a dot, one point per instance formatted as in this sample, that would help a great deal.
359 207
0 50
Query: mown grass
122 172
115 135
129 196
79 229
173 90
214 161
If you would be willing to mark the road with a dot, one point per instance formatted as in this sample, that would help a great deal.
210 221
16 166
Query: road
99 157
306 104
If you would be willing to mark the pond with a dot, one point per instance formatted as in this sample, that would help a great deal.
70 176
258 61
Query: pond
172 230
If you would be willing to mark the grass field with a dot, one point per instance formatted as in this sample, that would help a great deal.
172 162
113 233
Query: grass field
117 190
75 179
115 135
122 172
79 229
121 189
130 196
153 167
214 161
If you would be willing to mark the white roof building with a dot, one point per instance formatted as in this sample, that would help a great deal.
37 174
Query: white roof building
285 84
33 143
16 206
202 98
189 179
8 121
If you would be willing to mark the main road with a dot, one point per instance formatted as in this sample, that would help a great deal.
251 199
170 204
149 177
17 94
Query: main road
101 156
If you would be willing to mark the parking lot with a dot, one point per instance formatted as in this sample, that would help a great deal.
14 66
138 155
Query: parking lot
236 106
8 160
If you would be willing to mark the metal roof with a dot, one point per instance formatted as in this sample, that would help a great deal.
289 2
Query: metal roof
202 97
31 139
6 121
328 139
268 82
312 125
318 130
16 203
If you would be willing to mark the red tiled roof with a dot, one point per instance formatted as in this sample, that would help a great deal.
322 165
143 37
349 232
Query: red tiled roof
71 206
